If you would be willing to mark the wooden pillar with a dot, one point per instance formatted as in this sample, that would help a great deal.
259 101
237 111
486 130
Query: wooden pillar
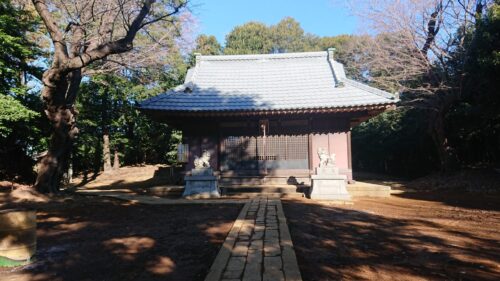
349 151
264 124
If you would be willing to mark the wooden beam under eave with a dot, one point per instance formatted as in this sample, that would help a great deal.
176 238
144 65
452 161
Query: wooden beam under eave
370 114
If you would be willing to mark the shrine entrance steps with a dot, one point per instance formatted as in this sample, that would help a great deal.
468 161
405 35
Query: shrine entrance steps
282 180
245 191
272 191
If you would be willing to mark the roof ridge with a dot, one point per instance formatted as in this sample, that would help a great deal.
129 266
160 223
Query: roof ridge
262 56
370 89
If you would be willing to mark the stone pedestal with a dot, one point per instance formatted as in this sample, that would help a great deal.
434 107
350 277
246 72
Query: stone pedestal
327 184
201 184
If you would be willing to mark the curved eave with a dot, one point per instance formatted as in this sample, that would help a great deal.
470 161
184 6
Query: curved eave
220 113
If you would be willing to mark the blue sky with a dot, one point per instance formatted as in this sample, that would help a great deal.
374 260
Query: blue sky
320 17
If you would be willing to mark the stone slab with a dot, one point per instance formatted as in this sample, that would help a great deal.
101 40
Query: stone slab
272 263
290 265
272 248
232 274
240 249
271 257
221 260
236 263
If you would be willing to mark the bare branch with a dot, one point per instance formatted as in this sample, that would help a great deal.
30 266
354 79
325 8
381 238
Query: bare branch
55 34
119 46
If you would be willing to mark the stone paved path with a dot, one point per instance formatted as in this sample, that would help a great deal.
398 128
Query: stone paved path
258 247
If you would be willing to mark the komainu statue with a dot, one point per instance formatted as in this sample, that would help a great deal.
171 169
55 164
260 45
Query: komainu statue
325 160
203 161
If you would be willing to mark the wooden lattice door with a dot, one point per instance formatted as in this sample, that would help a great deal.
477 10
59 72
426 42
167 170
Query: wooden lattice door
256 154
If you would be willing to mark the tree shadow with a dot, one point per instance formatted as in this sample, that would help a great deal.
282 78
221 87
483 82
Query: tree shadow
462 199
439 190
104 239
339 243
162 176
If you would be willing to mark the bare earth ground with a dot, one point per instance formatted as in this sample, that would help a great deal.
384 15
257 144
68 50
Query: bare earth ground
412 236
436 235
101 239
130 179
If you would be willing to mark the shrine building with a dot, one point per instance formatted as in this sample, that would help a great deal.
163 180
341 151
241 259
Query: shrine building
263 118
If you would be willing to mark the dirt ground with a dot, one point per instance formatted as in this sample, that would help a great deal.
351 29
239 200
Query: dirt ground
103 239
129 179
412 236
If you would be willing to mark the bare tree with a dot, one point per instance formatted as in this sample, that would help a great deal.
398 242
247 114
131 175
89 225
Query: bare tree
410 52
90 36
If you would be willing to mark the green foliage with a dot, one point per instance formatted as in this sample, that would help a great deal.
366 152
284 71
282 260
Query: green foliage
106 103
250 38
285 37
288 36
20 119
395 142
12 114
473 124
337 42
16 51
207 45
398 142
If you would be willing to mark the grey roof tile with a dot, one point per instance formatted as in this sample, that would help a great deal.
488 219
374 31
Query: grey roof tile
267 82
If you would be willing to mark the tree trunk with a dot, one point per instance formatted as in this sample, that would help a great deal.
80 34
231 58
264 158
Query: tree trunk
442 103
106 152
62 81
116 162
440 142
58 94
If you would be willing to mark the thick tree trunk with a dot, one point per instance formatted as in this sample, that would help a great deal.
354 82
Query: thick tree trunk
116 162
106 152
62 80
58 96
51 166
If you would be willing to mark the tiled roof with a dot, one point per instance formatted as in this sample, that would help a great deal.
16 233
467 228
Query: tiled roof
267 82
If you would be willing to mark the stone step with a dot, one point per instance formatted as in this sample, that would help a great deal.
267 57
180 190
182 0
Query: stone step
250 191
166 191
288 189
247 195
362 189
275 191
260 180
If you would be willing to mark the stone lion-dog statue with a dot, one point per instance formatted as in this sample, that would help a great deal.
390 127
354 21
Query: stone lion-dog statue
203 161
326 160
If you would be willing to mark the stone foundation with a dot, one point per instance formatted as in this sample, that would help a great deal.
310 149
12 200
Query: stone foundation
327 184
201 184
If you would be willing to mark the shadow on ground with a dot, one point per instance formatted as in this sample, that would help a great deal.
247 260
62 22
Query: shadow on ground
132 179
104 239
394 239
462 199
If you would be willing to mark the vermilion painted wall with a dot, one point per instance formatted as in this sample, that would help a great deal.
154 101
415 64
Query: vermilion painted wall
334 143
332 134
